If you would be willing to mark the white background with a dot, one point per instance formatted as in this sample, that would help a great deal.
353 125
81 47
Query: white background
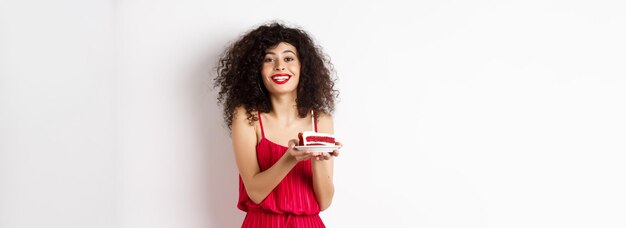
453 113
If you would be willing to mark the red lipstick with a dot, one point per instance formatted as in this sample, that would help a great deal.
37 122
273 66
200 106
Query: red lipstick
280 78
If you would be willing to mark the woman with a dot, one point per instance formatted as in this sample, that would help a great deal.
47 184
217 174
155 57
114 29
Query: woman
274 83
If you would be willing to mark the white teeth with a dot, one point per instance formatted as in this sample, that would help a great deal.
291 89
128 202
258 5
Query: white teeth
280 78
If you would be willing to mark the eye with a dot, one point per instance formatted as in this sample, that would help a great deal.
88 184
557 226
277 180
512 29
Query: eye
288 59
267 60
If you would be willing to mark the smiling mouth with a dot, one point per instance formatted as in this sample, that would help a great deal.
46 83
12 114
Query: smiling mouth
281 78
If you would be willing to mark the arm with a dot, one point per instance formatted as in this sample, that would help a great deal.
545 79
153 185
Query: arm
323 168
259 184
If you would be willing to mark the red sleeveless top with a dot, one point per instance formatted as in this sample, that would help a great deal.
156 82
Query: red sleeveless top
293 195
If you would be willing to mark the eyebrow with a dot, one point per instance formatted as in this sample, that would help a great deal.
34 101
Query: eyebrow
270 52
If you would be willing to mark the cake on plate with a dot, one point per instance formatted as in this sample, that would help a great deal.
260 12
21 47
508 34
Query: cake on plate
311 138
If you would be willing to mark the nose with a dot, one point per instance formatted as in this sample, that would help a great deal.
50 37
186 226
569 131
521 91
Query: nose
279 66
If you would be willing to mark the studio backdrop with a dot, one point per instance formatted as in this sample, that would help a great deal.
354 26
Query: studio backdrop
453 113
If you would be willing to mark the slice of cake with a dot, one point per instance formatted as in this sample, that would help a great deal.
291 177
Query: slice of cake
311 138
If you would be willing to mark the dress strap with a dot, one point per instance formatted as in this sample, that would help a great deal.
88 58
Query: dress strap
313 122
261 123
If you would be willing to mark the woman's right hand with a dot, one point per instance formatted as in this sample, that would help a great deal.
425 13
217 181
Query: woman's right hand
299 155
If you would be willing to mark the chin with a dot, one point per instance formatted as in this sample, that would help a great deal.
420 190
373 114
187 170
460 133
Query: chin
284 89
281 92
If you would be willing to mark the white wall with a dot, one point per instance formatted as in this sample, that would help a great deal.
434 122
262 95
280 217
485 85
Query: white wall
57 142
484 114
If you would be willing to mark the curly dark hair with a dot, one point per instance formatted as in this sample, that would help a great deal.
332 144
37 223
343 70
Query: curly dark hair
239 73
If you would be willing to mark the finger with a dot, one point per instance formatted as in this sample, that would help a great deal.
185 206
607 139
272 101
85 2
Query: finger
337 143
292 143
304 153
322 156
308 154
298 154
335 153
303 157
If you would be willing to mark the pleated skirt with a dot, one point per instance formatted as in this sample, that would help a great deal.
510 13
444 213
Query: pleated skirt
259 219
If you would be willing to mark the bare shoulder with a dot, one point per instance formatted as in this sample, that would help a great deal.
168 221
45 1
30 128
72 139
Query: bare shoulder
239 113
325 123
241 123
240 116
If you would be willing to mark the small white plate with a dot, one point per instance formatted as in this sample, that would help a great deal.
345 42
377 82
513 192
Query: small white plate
318 148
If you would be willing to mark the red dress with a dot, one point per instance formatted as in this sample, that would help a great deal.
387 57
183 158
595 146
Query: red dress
292 203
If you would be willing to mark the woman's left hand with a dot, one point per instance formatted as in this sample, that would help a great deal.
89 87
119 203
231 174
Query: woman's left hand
328 155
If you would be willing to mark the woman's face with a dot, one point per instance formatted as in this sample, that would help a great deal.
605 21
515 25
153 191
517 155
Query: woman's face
281 69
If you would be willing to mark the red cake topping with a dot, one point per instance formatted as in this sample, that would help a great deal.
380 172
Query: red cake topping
320 139
311 138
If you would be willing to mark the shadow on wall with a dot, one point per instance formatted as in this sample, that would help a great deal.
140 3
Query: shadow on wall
219 190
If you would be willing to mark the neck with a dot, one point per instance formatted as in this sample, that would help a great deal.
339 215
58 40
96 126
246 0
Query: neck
284 107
